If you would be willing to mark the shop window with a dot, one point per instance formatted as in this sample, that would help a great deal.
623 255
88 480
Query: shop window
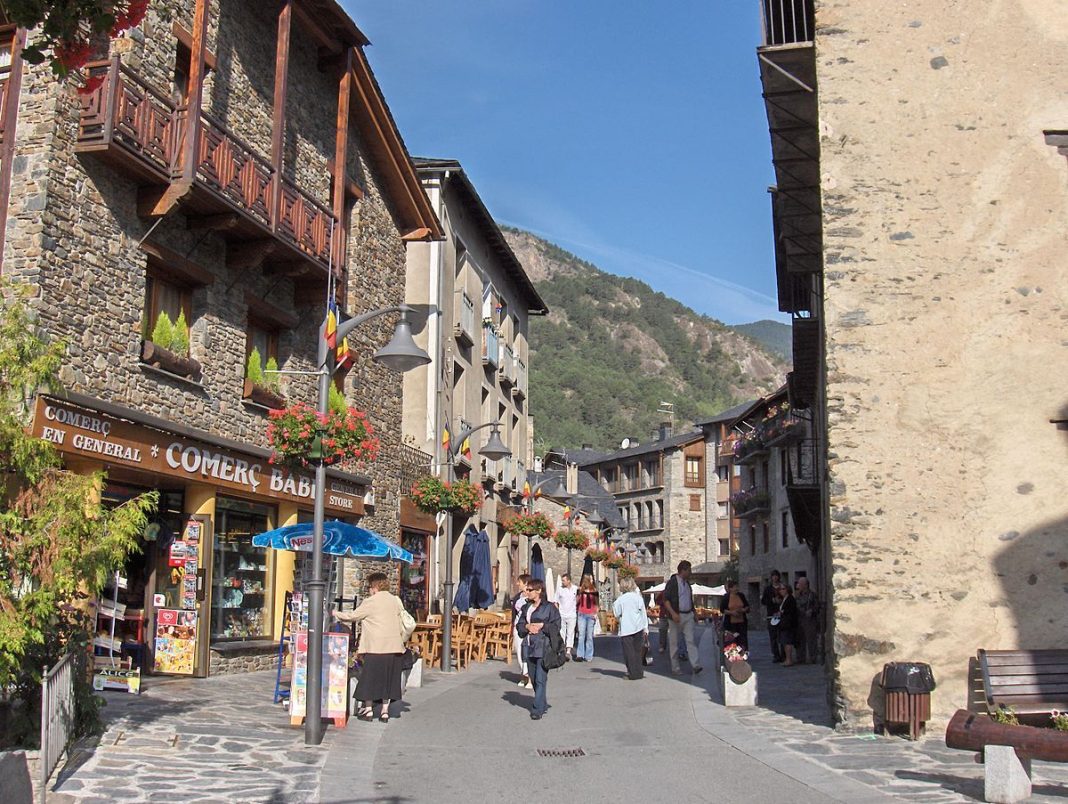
241 577
694 471
724 547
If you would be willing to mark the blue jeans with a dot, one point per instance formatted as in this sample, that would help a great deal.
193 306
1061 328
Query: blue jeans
539 677
584 649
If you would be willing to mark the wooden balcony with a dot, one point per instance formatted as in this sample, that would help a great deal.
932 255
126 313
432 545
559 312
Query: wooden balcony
233 188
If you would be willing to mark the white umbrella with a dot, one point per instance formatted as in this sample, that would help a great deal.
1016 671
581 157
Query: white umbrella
550 587
699 590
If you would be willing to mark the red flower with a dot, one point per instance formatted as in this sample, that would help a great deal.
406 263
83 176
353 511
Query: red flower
91 85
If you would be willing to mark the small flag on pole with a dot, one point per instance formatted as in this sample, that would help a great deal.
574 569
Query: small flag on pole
526 490
465 448
567 512
344 356
331 324
445 437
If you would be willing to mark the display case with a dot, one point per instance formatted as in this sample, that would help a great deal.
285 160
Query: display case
241 573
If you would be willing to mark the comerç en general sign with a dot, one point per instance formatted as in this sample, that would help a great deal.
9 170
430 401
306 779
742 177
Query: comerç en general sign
102 437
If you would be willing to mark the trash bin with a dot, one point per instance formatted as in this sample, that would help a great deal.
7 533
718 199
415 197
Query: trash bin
907 688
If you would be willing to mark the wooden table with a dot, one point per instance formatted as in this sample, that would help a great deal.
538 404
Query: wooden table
428 637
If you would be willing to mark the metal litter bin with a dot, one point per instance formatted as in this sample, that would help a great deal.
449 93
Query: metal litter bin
907 688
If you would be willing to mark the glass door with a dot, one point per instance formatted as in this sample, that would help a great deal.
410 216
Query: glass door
242 594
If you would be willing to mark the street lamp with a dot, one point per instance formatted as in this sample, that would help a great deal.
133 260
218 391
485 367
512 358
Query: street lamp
400 354
493 450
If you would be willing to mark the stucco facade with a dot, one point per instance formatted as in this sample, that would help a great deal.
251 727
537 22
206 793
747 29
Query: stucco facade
939 336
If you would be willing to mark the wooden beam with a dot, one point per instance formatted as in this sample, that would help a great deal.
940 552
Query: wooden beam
322 37
278 124
250 254
269 313
214 223
341 155
181 33
196 91
155 201
417 234
172 263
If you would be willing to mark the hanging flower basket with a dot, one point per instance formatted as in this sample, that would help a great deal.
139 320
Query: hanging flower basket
537 525
614 562
432 496
301 436
598 555
627 571
574 540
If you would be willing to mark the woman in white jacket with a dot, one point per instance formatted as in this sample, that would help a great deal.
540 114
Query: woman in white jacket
629 609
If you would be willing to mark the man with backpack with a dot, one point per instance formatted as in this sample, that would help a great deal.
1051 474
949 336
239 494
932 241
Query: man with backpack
538 624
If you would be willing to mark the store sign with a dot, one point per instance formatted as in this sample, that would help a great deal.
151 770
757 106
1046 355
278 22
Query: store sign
102 437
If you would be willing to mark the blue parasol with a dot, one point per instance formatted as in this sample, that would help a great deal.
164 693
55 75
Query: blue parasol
339 539
475 589
537 563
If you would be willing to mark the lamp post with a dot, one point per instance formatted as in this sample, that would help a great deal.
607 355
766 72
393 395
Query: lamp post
400 354
494 449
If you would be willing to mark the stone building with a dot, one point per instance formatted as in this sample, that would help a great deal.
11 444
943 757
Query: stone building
921 222
233 165
770 449
479 370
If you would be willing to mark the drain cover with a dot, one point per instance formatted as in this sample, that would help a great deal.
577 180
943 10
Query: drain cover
561 752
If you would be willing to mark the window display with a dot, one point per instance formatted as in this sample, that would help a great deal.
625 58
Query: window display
241 589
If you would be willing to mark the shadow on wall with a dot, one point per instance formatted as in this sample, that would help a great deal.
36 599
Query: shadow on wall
1033 566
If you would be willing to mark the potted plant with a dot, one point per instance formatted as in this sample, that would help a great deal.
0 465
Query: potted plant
597 555
429 494
167 347
537 525
260 388
464 497
747 501
300 436
571 540
627 571
614 562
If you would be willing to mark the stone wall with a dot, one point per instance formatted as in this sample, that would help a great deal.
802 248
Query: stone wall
946 229
685 528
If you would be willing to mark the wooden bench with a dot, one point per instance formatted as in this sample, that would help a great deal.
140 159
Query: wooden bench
1030 682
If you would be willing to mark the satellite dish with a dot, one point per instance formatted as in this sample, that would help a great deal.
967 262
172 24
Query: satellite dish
624 444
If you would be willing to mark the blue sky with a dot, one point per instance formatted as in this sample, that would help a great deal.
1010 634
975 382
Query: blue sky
631 133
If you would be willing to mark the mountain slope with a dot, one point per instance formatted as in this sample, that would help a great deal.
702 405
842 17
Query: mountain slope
612 350
774 336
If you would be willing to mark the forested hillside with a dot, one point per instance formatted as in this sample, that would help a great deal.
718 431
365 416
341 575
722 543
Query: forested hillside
612 350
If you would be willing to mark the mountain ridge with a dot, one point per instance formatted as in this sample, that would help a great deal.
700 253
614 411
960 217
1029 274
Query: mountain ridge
612 350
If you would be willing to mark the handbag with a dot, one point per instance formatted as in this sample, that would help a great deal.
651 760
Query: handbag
407 624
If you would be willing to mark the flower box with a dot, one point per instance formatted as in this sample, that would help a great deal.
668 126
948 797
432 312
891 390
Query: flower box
262 395
300 436
155 355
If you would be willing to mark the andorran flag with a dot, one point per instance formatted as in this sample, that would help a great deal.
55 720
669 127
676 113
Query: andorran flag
465 448
567 512
445 439
526 490
344 356
331 324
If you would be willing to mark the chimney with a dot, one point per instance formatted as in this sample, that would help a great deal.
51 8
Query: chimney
665 430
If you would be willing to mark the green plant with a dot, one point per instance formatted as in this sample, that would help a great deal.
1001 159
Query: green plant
627 571
531 525
163 331
254 367
464 497
300 435
336 401
180 336
430 494
1006 716
598 555
572 540
1060 720
272 379
58 542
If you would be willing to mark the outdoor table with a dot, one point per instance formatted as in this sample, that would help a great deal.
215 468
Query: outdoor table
431 632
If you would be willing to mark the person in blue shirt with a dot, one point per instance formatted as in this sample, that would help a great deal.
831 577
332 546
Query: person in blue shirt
629 608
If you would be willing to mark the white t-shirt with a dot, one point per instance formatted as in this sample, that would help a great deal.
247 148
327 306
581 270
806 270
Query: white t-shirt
565 599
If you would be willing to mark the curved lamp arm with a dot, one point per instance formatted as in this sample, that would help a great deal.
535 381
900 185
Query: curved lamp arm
454 446
349 324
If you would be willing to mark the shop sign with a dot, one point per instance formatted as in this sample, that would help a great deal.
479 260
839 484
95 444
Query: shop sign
102 437
118 679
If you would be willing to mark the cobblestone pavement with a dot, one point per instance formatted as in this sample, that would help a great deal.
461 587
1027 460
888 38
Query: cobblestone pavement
218 739
794 715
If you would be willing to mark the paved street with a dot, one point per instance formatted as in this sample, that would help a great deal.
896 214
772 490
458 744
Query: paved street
467 737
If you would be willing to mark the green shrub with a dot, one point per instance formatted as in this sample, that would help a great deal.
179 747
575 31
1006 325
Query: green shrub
271 377
180 336
336 401
254 367
163 331
1006 716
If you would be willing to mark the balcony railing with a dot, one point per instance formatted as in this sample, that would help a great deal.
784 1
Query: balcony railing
788 22
414 464
464 326
134 124
491 355
506 367
520 389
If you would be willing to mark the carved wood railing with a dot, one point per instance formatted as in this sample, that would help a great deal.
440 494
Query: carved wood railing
124 110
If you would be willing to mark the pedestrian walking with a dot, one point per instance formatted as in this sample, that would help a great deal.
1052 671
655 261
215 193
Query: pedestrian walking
519 599
769 599
735 610
588 604
567 601
808 612
787 624
536 622
381 647
629 609
678 601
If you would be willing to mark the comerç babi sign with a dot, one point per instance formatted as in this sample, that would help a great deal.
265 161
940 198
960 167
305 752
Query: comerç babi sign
99 436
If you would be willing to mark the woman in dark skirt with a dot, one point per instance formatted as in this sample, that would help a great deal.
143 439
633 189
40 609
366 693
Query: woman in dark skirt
381 648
